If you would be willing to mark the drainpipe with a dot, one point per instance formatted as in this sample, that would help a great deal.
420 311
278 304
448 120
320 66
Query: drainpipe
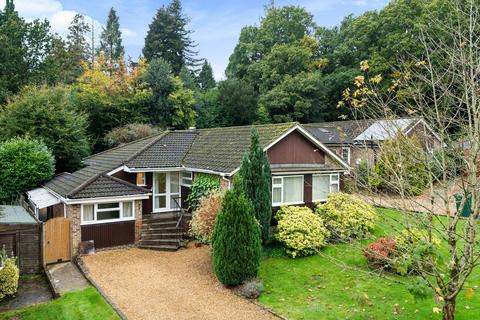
228 182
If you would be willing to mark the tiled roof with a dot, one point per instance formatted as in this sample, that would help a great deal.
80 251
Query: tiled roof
168 151
338 132
65 183
222 149
107 186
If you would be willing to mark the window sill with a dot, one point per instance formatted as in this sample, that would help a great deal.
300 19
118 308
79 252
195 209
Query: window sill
87 223
141 185
287 204
164 210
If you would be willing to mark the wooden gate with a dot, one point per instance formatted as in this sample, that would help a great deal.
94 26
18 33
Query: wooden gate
57 240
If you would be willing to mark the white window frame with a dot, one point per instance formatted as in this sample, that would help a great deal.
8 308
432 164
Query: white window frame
334 179
281 186
168 194
96 210
348 154
144 183
186 181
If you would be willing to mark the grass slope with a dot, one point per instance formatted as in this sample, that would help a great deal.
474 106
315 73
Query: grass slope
85 304
316 287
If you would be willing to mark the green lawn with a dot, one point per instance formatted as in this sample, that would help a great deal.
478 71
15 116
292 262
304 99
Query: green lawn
315 287
86 304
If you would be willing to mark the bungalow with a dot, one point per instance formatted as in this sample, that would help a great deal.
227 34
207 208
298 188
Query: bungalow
358 140
135 193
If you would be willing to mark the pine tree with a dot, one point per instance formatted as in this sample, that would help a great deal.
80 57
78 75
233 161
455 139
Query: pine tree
256 178
111 39
169 38
205 77
158 76
236 239
78 47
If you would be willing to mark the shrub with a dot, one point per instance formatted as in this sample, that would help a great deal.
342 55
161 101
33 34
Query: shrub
129 133
362 174
202 186
347 216
203 219
236 239
257 177
49 115
380 253
250 289
9 275
24 163
401 167
300 230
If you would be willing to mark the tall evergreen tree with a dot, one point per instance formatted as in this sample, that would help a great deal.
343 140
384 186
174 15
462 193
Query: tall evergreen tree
236 239
77 46
158 77
256 177
169 38
205 77
111 38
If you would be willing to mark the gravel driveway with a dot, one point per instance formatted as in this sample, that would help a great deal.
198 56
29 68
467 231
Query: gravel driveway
147 284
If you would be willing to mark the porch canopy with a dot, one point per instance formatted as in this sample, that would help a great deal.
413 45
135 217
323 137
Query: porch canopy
41 198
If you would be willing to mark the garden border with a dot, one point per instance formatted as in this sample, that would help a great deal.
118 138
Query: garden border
84 270
258 304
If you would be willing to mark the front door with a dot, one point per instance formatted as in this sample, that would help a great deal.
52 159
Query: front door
57 240
166 191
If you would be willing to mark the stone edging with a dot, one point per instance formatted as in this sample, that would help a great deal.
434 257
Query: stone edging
261 306
84 270
51 284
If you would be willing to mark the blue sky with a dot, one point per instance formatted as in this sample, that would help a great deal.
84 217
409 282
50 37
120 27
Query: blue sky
216 23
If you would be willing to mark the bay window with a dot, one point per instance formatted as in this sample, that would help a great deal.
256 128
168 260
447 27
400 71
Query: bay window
166 191
287 190
323 185
107 212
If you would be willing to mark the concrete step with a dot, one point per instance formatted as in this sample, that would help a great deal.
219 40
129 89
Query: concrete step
154 236
160 224
160 247
157 242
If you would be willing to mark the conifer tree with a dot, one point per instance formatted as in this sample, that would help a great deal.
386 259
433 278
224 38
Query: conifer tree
78 49
205 77
236 239
256 178
169 38
111 38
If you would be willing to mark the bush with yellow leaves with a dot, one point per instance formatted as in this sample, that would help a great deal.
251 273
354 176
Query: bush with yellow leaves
301 231
347 216
9 275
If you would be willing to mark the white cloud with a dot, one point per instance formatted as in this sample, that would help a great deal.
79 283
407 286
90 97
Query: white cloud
52 10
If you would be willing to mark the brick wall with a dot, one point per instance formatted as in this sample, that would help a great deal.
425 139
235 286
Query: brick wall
73 214
138 220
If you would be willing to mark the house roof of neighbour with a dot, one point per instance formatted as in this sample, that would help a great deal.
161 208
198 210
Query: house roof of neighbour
349 132
15 215
222 149
68 184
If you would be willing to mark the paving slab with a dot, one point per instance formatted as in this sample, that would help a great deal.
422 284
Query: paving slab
65 277
32 289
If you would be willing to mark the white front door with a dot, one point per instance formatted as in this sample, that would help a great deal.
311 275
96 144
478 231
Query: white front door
166 191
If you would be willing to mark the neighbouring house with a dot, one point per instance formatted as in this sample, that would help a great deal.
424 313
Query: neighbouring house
20 235
360 140
135 193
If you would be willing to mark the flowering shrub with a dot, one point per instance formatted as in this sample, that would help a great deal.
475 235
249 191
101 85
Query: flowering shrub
300 230
203 219
380 253
347 216
9 275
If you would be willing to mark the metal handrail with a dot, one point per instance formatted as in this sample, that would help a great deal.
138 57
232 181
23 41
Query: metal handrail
182 211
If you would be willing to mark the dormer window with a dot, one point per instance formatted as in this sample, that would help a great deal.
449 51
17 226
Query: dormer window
141 179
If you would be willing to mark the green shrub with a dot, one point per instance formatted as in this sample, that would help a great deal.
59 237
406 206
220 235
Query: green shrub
236 239
301 231
203 219
257 178
202 186
402 167
362 174
347 216
24 163
9 275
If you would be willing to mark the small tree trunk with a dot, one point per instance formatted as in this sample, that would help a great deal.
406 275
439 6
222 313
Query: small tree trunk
449 309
